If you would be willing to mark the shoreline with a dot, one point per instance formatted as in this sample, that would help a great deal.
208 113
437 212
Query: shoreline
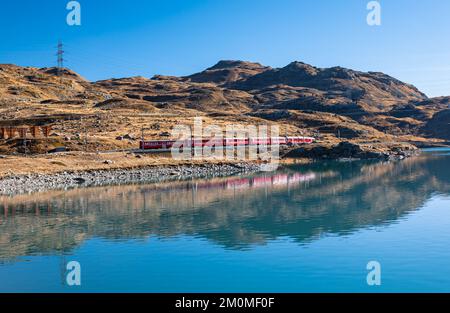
34 183
67 180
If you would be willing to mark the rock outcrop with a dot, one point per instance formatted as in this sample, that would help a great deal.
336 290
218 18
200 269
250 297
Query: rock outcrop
348 150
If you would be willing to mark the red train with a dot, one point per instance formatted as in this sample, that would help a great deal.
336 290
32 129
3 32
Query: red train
227 142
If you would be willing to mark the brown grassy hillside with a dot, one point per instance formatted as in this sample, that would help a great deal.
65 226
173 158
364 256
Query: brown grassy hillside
333 104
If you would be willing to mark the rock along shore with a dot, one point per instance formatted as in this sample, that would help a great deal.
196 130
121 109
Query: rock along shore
68 180
347 150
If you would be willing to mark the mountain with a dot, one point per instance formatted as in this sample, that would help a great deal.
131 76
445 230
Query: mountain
226 72
438 126
165 92
29 85
333 104
302 86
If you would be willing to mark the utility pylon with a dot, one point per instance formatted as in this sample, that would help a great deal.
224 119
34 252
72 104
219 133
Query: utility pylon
60 58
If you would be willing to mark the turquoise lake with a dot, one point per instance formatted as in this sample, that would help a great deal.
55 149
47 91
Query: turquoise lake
304 228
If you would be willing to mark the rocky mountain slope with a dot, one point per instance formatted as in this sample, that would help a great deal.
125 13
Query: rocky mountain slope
342 87
333 104
227 72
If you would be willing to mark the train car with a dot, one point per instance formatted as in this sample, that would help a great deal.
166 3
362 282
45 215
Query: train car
227 142
279 141
300 140
156 145
230 142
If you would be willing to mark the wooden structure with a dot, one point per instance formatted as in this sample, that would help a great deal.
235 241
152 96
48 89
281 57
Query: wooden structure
21 132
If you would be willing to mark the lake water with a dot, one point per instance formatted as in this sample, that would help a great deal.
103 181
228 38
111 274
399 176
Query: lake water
309 228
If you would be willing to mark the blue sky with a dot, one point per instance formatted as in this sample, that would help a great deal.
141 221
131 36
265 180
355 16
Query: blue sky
120 38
